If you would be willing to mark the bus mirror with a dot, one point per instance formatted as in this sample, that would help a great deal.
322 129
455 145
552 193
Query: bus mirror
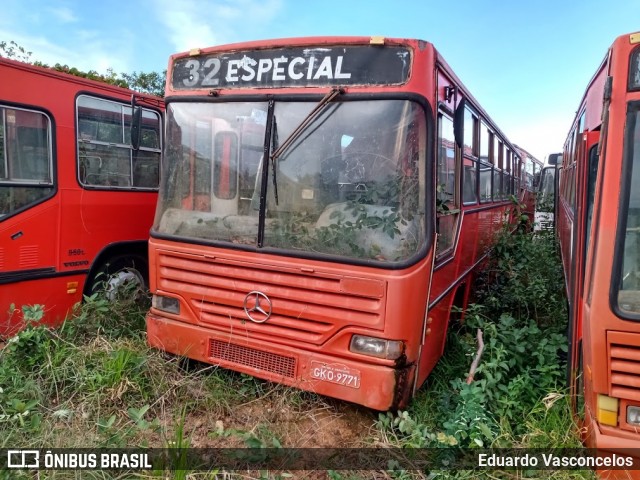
458 124
136 122
554 158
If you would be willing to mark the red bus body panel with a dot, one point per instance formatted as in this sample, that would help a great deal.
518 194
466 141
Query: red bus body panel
47 249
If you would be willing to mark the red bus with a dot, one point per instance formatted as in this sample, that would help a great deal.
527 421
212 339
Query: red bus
324 203
546 196
530 175
598 229
75 198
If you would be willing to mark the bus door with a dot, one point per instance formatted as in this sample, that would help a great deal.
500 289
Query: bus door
26 181
587 171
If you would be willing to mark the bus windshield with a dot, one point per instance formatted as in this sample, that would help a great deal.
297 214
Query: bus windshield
352 184
629 283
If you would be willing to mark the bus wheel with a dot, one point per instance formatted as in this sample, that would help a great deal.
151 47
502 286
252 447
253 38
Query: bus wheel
123 276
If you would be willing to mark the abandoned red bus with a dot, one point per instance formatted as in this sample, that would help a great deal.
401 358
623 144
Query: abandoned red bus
598 229
530 175
323 205
75 198
546 196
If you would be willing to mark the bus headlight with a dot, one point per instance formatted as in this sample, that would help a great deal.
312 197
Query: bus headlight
633 415
166 304
377 347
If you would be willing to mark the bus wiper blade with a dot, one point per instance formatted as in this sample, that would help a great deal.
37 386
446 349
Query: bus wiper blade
274 144
302 126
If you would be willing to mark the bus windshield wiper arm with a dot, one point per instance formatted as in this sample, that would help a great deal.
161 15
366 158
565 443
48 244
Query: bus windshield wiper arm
302 126
274 145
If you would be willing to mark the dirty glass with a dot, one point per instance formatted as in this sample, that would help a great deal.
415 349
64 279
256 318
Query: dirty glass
351 184
105 156
628 282
26 163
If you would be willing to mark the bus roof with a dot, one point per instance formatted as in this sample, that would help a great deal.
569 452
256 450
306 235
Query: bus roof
67 77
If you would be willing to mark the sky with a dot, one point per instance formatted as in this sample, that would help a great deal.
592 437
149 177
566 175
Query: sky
527 62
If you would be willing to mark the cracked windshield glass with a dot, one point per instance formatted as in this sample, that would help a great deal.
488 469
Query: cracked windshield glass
350 184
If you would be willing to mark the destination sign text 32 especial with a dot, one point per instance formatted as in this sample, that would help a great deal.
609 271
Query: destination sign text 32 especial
293 67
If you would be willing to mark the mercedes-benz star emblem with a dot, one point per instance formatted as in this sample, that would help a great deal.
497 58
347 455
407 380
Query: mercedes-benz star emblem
257 307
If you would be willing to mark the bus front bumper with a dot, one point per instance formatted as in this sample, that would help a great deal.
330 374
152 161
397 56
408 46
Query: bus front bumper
377 387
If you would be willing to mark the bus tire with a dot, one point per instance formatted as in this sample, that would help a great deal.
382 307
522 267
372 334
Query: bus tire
120 273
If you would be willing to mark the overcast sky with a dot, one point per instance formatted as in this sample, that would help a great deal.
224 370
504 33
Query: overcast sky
526 61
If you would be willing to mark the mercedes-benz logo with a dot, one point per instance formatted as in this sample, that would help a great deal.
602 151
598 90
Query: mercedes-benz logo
257 307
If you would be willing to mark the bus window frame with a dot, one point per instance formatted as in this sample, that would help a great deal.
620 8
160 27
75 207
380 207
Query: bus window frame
473 156
485 134
454 213
633 56
430 169
53 165
133 153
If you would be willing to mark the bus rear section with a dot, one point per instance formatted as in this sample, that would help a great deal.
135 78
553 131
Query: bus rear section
295 235
76 201
545 200
530 176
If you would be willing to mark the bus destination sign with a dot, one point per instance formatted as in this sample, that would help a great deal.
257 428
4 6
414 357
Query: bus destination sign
294 67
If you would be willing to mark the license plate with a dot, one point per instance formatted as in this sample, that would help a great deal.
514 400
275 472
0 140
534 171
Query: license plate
336 373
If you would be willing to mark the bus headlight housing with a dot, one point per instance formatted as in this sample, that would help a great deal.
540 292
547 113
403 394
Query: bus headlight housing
633 415
166 304
377 347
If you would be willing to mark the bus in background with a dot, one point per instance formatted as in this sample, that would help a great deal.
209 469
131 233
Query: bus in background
76 199
598 228
546 195
530 176
324 204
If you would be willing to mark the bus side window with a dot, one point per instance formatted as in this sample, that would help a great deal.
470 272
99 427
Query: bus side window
104 151
470 164
25 159
485 176
446 205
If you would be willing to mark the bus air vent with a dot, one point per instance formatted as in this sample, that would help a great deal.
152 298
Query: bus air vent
625 366
251 357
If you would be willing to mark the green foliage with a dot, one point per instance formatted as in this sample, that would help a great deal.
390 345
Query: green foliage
14 51
97 314
520 365
516 398
524 277
144 82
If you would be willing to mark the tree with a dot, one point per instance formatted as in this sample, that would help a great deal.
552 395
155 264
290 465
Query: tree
151 83
14 51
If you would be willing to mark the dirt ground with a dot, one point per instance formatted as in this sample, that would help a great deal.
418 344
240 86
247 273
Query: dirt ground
276 423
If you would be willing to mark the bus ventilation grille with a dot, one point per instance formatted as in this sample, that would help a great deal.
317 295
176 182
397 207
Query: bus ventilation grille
250 357
625 371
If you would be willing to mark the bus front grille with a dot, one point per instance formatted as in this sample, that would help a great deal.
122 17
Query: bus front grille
624 367
307 308
253 358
